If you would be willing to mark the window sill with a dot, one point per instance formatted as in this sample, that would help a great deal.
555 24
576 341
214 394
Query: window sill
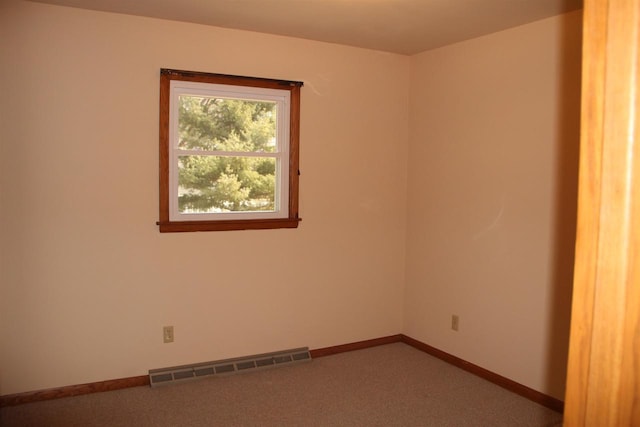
251 224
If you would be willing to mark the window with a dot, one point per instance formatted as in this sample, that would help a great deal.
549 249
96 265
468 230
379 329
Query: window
228 152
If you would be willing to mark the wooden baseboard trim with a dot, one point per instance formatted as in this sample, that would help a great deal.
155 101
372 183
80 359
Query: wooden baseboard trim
76 390
522 390
328 351
72 390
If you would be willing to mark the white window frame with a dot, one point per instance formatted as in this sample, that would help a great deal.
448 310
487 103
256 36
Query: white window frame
282 99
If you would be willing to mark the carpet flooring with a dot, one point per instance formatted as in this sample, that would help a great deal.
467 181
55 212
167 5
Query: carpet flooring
389 385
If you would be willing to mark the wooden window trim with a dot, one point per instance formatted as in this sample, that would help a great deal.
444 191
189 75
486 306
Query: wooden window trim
292 220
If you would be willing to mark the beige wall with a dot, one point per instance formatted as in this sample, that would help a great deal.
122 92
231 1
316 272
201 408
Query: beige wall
87 279
492 195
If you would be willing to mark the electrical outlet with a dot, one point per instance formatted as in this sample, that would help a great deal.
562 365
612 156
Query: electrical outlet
167 334
455 322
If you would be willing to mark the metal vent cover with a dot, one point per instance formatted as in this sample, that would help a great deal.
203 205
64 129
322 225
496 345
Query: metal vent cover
183 373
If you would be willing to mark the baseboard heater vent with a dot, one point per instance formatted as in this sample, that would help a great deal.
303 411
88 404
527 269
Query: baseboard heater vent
227 367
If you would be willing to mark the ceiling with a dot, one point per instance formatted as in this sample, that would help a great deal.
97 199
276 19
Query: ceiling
400 26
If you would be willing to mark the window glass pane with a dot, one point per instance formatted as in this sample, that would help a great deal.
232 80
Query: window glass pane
219 124
211 184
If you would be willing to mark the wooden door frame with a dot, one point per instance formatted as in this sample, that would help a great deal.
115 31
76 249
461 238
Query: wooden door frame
603 379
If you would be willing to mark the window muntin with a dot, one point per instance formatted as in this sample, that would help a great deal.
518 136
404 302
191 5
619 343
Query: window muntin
229 152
